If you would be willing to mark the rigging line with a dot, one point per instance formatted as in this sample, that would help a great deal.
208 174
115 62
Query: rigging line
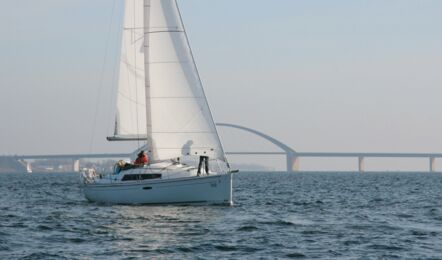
130 68
137 39
201 83
94 124
134 101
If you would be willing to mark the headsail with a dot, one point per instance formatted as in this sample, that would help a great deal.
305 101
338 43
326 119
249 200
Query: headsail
182 123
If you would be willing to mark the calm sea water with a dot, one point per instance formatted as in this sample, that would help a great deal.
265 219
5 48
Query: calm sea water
276 215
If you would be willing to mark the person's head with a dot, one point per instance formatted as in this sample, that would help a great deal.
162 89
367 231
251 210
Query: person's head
140 153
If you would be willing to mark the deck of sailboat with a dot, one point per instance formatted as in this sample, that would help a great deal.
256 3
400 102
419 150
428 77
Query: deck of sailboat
154 181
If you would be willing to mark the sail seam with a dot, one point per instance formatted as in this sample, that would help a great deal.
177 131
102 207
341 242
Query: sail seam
169 62
193 148
159 31
198 132
129 136
167 31
178 97
133 101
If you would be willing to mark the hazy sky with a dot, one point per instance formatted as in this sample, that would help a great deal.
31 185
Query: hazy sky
317 75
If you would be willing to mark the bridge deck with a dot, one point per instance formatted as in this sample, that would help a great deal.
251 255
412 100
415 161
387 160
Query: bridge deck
337 154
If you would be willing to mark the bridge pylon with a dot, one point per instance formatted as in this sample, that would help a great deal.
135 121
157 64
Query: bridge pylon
76 165
292 162
432 164
361 164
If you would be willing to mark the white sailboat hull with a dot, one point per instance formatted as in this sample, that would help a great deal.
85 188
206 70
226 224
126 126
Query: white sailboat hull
212 189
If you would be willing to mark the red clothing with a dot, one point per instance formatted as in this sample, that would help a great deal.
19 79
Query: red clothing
142 160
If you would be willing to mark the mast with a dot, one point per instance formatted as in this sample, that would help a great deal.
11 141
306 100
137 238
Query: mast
149 139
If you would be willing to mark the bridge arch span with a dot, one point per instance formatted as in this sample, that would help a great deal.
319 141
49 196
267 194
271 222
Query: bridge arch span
292 159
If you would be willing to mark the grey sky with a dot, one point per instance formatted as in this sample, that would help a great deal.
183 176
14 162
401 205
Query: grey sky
318 75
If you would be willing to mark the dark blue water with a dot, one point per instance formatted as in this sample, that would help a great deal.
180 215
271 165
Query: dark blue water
276 215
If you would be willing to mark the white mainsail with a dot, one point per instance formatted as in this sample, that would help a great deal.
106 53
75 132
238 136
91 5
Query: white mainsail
131 106
172 110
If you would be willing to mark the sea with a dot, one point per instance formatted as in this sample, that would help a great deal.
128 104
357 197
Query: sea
327 215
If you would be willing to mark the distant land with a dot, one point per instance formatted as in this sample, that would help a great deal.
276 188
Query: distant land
9 165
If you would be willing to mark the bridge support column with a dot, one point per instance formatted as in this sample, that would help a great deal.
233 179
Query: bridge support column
76 166
432 164
23 166
28 167
292 162
361 164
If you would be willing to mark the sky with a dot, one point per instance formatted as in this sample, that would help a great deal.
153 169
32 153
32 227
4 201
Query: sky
329 76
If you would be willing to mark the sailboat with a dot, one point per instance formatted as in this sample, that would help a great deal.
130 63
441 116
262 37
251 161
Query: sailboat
161 102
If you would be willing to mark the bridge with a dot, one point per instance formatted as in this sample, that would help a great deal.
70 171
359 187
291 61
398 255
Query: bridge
74 157
292 156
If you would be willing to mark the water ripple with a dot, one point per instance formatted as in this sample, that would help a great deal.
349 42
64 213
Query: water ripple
277 216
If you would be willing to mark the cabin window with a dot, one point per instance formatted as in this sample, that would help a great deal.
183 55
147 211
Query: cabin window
135 177
150 176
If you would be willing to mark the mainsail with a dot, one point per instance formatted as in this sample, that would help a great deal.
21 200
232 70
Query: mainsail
131 106
172 110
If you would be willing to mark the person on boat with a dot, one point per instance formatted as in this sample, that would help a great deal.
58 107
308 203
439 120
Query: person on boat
142 159
122 165
204 162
